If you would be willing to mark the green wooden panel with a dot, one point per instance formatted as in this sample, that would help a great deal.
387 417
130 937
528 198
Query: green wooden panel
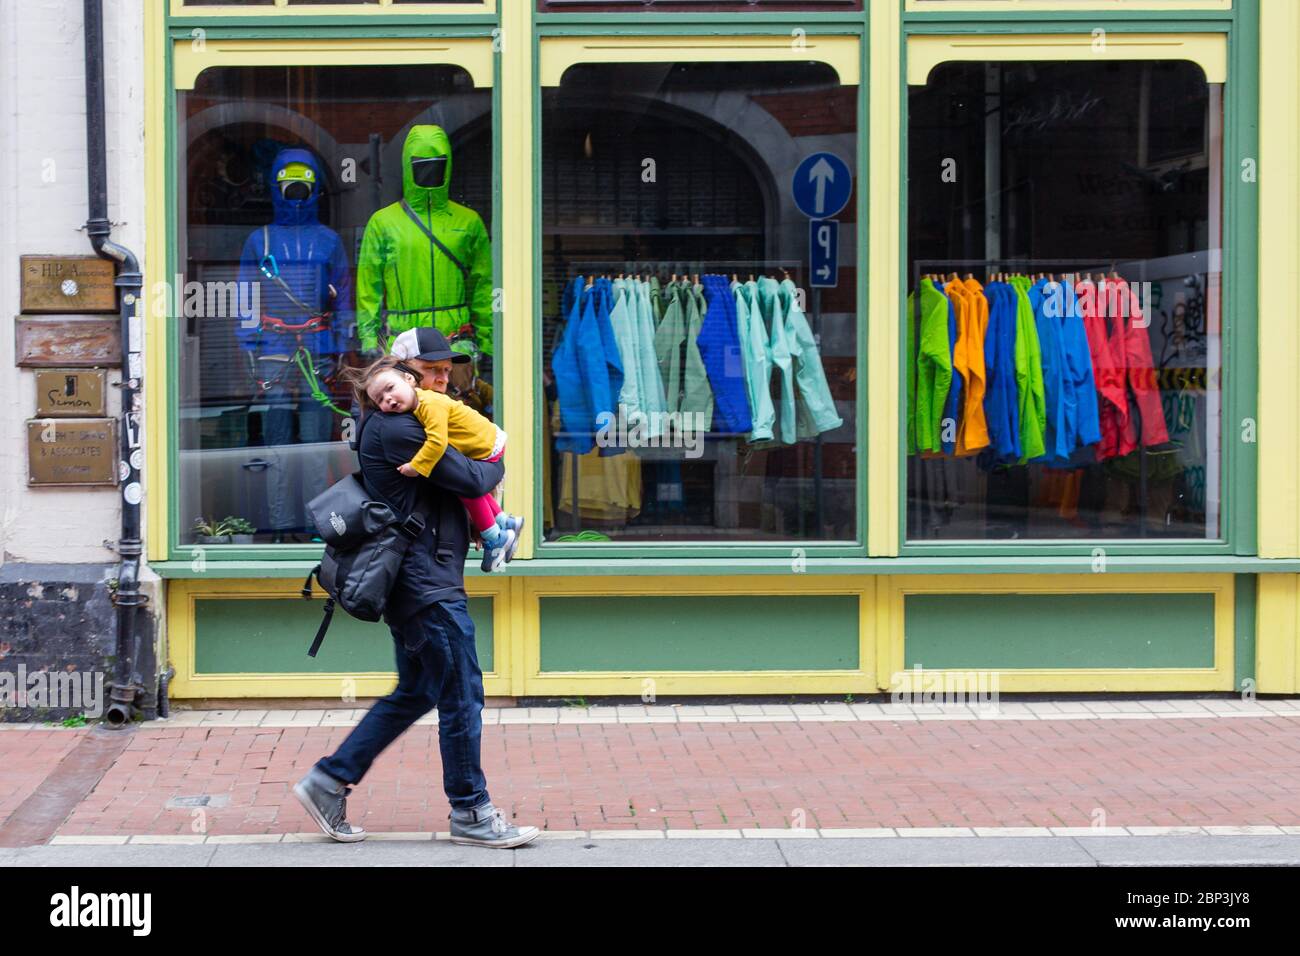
803 632
980 631
1243 631
271 636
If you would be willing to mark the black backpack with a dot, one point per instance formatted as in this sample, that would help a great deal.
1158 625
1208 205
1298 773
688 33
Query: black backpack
365 542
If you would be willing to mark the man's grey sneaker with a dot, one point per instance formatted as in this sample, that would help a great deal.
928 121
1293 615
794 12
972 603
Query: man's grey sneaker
326 799
494 558
488 826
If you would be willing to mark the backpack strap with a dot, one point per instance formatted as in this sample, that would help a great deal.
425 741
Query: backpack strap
329 612
324 626
410 525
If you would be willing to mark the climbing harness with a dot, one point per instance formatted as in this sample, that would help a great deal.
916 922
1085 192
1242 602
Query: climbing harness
315 322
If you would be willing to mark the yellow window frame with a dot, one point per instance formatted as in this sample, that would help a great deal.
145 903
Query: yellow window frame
557 54
280 8
1209 51
1014 7
192 56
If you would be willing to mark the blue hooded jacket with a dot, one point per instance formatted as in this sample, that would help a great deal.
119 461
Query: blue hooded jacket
587 367
1001 405
719 344
310 258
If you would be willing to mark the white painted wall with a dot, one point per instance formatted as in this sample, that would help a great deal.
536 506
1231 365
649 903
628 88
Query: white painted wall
43 211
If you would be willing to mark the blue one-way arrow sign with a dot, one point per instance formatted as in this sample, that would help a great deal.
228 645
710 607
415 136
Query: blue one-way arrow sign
822 185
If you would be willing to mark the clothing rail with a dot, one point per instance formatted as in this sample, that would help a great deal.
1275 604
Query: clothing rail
633 268
1028 264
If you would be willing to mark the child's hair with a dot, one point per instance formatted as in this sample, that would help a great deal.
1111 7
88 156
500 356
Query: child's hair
360 378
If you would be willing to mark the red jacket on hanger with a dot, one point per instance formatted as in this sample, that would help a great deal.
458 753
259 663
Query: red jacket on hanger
1122 364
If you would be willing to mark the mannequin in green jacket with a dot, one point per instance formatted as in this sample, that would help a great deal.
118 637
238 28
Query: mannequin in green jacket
425 260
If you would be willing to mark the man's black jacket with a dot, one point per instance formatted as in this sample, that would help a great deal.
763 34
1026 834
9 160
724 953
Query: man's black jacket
434 567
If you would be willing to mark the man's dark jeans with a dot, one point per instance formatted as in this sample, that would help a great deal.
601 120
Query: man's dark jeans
437 666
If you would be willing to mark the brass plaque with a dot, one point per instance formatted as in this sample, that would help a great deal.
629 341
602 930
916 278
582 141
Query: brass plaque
69 392
67 284
63 340
72 451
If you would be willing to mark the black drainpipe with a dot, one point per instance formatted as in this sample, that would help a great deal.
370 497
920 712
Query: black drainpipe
126 683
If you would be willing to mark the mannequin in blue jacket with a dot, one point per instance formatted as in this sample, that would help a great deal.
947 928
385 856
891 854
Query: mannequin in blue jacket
305 298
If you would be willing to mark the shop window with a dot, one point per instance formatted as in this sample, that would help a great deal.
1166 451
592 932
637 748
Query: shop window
1063 320
297 260
700 386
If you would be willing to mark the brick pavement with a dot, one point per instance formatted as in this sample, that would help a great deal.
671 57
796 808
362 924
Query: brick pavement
684 774
28 758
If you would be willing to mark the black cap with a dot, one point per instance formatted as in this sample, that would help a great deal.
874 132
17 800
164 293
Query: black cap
426 344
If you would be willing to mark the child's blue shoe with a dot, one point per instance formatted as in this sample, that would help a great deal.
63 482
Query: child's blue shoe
497 542
513 523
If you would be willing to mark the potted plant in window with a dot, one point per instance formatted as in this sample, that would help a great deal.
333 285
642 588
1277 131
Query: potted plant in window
241 530
211 531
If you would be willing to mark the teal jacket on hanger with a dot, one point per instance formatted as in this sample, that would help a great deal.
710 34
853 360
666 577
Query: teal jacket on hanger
757 356
652 383
768 298
815 408
642 395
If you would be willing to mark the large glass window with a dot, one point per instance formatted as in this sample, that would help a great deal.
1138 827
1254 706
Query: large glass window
699 372
1063 321
304 247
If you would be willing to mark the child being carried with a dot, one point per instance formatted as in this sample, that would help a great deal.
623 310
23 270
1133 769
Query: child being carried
389 386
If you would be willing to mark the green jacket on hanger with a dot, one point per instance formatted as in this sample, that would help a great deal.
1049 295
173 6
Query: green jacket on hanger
424 260
686 382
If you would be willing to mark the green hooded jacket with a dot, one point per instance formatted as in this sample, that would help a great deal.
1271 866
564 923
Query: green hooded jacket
404 279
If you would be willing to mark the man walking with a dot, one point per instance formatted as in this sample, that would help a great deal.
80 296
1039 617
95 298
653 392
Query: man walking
437 665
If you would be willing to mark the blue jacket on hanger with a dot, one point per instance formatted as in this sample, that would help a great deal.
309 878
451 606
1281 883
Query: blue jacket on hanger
719 345
576 414
1001 398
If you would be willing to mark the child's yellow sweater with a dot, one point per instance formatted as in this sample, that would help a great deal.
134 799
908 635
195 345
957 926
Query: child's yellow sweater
449 422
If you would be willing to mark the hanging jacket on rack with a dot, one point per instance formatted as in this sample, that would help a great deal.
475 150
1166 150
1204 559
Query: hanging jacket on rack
1082 428
1108 369
604 403
757 356
1056 435
1029 373
929 363
952 401
767 295
637 400
815 406
1131 348
651 383
677 350
577 416
719 344
1001 401
973 431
